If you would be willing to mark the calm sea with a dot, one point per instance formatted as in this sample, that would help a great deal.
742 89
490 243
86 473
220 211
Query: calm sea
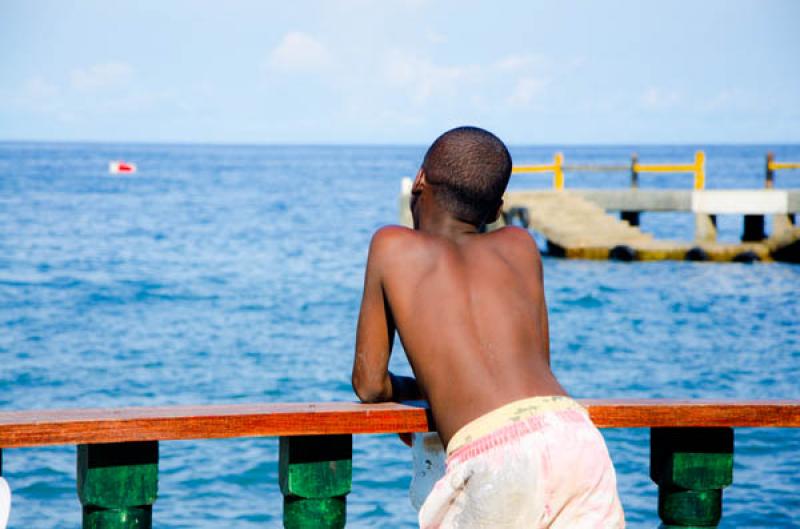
233 274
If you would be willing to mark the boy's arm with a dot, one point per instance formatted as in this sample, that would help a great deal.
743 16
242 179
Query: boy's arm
372 380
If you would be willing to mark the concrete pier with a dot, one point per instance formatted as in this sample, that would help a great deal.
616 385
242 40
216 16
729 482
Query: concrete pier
579 224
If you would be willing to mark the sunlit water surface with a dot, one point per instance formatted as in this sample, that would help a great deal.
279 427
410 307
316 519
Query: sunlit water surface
233 274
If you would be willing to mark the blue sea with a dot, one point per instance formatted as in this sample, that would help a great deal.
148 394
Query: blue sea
232 274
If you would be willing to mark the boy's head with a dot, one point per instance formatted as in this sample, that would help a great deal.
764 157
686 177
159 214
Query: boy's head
468 170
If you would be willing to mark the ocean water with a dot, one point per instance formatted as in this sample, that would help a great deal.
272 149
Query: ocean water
233 274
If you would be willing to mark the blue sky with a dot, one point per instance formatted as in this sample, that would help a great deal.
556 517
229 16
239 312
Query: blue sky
357 71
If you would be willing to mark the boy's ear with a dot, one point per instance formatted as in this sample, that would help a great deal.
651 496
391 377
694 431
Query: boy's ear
419 182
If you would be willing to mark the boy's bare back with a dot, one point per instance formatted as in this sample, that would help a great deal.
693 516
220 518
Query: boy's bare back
471 314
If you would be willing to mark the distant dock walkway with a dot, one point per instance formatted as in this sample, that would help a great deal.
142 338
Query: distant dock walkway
577 224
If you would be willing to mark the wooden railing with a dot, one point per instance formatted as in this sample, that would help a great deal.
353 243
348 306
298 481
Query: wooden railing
691 457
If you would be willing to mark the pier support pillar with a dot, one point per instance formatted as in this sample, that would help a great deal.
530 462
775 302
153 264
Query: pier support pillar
554 250
781 223
705 227
753 228
691 466
315 474
507 218
118 484
631 216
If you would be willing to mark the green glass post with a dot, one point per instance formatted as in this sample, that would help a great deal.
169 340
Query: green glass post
315 473
118 484
691 466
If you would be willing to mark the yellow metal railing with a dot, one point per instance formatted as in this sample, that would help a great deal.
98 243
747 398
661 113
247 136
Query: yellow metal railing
773 166
698 168
557 168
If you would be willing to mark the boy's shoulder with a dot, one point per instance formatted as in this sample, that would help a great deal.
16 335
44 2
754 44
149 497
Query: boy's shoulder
514 235
518 248
391 240
517 238
387 237
394 239
392 231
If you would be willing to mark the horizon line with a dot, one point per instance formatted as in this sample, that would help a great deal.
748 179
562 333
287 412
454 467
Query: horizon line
191 143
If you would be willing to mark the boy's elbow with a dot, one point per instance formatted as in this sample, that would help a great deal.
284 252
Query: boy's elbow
371 392
371 397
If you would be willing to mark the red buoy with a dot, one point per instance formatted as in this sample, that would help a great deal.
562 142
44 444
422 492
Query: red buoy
118 166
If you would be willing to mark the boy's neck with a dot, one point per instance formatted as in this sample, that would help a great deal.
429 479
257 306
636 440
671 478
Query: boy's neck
443 224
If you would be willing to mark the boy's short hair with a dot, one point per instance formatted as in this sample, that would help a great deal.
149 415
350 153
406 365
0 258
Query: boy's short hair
468 168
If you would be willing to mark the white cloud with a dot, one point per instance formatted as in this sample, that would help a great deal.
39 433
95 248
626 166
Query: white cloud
522 64
434 37
400 118
300 52
39 88
86 93
101 76
721 100
41 96
526 74
133 102
412 79
424 79
526 91
657 98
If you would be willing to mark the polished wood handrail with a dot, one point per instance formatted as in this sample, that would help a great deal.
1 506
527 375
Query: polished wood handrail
89 426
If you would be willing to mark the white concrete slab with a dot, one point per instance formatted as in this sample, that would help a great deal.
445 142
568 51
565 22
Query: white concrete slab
5 503
742 202
430 464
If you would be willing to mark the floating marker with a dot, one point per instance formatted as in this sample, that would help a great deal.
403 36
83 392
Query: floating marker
118 167
696 253
622 252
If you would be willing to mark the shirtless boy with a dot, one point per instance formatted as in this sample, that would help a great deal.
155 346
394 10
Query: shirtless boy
471 313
